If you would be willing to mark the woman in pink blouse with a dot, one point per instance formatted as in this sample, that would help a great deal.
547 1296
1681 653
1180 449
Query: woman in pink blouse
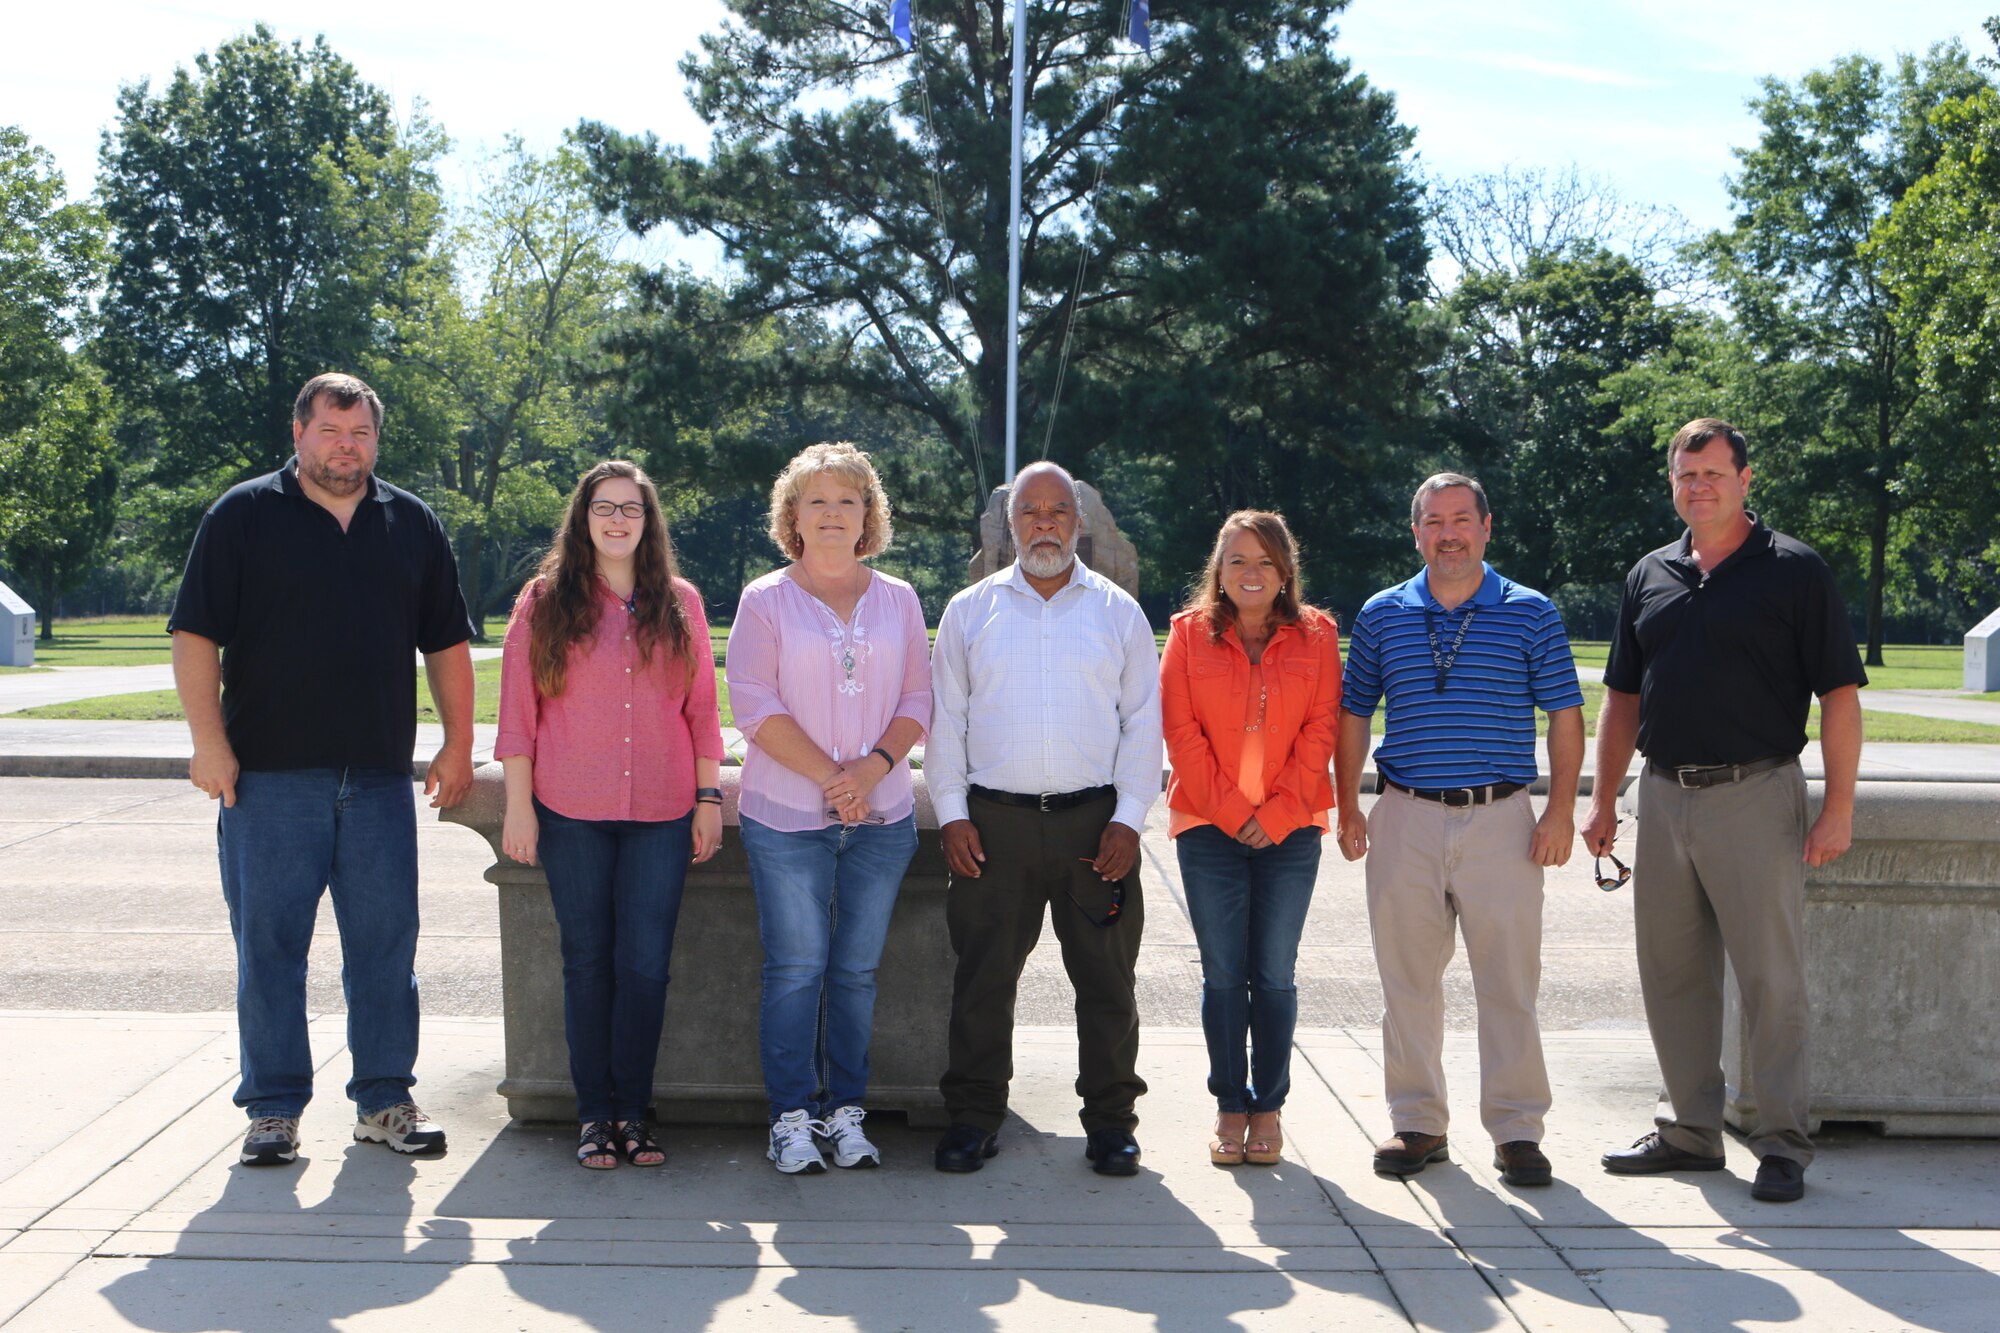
613 752
830 682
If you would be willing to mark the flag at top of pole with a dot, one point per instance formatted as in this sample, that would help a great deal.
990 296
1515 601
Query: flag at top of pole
899 21
1142 23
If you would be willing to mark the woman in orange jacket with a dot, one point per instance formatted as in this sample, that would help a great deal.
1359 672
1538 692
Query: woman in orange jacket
1249 693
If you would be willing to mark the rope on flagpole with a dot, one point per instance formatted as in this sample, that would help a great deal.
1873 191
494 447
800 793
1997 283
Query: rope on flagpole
1082 261
944 234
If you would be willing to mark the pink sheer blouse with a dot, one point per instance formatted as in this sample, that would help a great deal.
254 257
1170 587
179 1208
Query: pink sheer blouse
841 683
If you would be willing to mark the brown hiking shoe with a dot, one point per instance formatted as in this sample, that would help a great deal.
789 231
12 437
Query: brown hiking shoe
1521 1163
1406 1152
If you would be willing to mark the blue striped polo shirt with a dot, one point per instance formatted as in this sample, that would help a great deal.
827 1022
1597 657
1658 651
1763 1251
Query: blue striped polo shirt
1481 728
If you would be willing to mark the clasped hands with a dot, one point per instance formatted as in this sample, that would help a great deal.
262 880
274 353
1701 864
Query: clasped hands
847 787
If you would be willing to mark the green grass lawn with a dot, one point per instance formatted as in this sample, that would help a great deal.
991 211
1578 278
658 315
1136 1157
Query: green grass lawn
112 641
163 706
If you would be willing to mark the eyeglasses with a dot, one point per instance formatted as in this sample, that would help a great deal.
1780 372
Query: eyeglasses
1110 917
605 508
1606 882
870 818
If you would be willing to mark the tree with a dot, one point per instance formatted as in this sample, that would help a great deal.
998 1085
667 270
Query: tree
51 255
1527 405
1220 241
267 208
537 258
59 489
57 482
1939 258
1838 150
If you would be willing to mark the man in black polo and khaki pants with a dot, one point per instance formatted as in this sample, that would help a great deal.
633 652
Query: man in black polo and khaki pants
1722 639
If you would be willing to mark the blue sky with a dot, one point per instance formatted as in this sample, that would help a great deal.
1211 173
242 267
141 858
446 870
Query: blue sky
1650 95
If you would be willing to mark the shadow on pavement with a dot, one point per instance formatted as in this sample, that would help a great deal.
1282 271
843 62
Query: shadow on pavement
258 1218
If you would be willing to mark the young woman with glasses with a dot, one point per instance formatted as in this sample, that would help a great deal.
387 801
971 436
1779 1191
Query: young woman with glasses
830 681
613 750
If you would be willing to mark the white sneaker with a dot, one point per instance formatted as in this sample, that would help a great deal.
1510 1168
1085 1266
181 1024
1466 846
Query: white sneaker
842 1130
403 1127
273 1140
792 1147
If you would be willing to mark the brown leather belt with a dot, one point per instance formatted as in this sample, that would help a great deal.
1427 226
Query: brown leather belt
1694 777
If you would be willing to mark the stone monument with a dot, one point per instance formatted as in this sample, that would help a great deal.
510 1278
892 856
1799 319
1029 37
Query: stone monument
1982 655
1100 544
17 629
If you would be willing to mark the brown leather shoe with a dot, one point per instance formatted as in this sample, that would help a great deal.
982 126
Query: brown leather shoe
1406 1152
1521 1163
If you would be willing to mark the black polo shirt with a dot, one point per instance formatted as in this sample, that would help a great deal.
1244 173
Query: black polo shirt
320 628
1725 665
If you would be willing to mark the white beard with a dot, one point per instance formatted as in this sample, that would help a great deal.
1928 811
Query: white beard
1047 562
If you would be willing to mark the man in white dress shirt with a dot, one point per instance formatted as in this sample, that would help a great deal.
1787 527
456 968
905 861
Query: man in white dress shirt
1043 758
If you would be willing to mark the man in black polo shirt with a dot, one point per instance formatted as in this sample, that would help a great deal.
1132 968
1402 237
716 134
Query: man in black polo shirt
1722 639
317 585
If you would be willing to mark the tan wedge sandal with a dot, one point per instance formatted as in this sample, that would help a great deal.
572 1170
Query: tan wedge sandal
1265 1142
1226 1148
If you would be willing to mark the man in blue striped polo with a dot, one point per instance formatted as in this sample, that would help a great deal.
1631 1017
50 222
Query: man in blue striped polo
1463 657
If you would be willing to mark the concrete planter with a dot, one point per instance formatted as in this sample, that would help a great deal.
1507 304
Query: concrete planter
708 1070
1902 968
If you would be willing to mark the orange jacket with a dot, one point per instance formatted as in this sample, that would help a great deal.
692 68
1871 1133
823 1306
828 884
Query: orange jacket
1204 687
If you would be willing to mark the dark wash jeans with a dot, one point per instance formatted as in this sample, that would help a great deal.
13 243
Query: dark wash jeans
1248 906
616 888
291 836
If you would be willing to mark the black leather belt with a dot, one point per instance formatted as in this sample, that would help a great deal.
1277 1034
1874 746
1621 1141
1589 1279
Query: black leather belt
1459 797
1047 802
1694 777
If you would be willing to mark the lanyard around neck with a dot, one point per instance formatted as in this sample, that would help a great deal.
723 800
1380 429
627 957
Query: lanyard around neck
1442 660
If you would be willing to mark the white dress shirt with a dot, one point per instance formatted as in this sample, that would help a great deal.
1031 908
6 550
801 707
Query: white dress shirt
1037 695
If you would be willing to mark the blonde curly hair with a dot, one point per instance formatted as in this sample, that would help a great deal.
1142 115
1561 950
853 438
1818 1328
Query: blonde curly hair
847 466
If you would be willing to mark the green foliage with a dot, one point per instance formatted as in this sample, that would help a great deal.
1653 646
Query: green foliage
51 254
1221 264
489 342
59 488
1526 385
1856 453
1939 256
58 476
267 210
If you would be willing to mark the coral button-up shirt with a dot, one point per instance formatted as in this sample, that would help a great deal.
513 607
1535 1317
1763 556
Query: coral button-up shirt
1223 773
620 741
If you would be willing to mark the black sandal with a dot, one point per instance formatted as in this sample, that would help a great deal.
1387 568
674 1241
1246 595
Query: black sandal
635 1138
599 1139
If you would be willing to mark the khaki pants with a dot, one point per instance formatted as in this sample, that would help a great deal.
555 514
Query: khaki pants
1432 871
1722 870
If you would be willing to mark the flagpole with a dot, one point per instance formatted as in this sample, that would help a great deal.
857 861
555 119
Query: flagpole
1014 233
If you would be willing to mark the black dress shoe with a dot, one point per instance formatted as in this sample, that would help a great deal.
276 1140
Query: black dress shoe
1779 1180
1652 1155
965 1147
1112 1152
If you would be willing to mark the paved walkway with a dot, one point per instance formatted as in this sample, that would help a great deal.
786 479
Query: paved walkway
122 1206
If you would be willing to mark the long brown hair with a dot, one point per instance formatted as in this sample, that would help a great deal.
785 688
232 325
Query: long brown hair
1270 531
567 605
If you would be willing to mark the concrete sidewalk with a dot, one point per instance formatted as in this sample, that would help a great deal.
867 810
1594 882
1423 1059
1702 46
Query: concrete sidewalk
121 1206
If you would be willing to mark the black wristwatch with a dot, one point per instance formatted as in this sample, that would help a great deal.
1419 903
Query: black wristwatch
708 795
887 758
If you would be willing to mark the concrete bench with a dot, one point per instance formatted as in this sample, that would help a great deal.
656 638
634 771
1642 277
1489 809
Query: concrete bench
1902 968
709 1070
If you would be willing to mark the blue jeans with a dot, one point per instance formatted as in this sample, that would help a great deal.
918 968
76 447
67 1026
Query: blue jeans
824 897
616 887
1248 906
291 836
